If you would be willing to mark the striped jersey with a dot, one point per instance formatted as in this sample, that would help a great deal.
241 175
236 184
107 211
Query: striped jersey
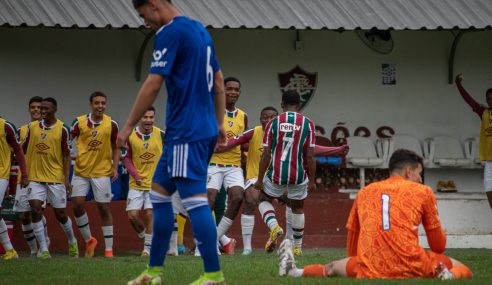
288 136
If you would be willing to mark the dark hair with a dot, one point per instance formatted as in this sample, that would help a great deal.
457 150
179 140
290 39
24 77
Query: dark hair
51 100
151 108
291 98
35 99
97 94
269 108
233 79
489 91
138 3
403 157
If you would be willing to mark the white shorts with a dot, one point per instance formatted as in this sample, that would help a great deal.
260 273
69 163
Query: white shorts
294 191
138 199
55 193
21 204
229 176
101 188
178 207
250 183
487 176
4 183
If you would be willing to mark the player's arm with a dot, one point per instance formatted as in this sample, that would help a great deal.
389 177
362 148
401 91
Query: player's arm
74 130
10 132
476 107
66 158
219 102
128 162
244 138
145 98
311 162
432 226
116 152
266 156
245 121
328 150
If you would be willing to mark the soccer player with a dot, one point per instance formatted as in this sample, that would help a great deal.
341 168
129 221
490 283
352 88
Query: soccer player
184 58
48 163
289 145
382 229
143 152
8 141
22 205
225 168
485 114
96 166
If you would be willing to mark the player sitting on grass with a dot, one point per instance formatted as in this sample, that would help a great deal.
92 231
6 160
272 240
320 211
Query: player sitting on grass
382 228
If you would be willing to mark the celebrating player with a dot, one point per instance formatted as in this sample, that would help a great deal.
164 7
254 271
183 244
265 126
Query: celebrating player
22 205
184 57
485 114
382 228
48 161
225 168
95 165
8 141
143 152
289 144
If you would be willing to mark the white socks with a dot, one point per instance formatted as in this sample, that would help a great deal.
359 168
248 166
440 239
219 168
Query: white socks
147 242
268 214
298 229
67 228
38 229
247 225
288 223
30 238
108 237
84 228
224 225
4 236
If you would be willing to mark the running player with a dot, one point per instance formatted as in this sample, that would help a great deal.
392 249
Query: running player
22 205
225 168
143 152
8 141
289 144
96 166
184 57
48 161
485 114
382 229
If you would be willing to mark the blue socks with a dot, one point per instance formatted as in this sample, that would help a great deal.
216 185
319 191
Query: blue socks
162 228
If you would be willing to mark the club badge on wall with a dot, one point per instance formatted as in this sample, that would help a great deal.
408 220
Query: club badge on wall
302 81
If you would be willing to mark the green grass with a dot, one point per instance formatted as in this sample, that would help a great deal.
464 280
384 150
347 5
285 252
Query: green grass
259 268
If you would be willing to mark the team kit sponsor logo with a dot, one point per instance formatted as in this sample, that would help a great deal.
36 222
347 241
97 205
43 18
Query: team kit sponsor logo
289 128
157 55
146 157
42 148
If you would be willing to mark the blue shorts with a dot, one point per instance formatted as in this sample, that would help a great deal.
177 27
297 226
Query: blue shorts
184 161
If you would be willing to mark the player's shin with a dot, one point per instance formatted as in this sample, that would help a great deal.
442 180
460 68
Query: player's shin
162 228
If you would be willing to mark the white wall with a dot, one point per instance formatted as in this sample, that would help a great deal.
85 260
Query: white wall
70 64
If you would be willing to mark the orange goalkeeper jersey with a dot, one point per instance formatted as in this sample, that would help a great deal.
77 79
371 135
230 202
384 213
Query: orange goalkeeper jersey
386 215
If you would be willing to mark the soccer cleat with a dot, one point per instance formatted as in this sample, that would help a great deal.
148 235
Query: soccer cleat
297 251
73 250
90 246
181 249
108 253
286 258
215 278
145 253
45 255
10 254
247 252
150 276
443 273
275 233
229 248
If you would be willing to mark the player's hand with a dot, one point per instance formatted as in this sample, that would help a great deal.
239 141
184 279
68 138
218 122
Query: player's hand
123 137
114 174
222 139
138 182
258 185
346 149
24 182
458 78
68 187
311 186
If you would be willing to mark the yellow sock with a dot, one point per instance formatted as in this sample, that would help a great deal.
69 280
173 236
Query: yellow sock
181 228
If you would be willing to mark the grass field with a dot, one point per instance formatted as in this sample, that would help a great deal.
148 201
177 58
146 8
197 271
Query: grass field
259 268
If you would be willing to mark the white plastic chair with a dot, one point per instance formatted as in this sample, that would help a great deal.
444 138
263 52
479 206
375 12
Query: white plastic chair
406 142
362 154
445 151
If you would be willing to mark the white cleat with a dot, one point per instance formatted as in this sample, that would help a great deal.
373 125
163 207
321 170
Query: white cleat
287 262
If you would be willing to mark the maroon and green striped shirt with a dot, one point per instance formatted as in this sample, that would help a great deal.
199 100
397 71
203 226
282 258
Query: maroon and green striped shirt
288 136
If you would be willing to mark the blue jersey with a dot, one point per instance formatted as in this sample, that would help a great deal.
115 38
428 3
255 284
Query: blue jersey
184 55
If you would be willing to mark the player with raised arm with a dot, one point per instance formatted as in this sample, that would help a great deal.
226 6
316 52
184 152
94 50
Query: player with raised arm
485 114
383 240
96 166
143 152
48 161
183 58
288 143
224 169
21 204
9 142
